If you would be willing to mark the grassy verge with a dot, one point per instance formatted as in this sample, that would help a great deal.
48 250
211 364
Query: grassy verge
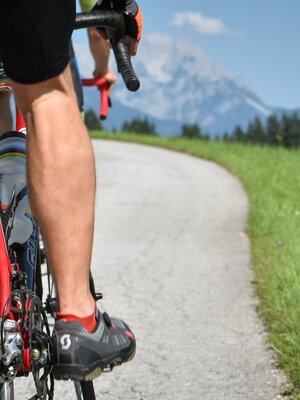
271 177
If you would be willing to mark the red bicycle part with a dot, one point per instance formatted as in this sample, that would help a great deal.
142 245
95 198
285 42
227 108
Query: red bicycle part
5 86
103 85
26 367
20 123
5 275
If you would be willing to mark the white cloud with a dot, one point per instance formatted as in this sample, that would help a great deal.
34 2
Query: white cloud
200 23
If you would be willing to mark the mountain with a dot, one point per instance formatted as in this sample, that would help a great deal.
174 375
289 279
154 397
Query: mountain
120 113
180 85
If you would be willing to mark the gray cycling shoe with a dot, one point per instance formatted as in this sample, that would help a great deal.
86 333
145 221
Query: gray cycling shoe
80 355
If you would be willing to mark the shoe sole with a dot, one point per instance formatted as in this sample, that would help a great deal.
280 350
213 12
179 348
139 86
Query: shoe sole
80 373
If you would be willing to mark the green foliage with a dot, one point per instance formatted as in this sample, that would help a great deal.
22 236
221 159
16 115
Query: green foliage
274 136
284 132
291 131
226 137
92 121
256 132
238 134
138 125
192 131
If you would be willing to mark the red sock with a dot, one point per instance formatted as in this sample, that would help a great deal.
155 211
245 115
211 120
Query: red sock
88 322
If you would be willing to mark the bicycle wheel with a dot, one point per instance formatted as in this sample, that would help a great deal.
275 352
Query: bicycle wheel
7 391
50 304
84 390
40 344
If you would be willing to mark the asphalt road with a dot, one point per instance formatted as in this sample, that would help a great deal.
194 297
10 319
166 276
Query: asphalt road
172 259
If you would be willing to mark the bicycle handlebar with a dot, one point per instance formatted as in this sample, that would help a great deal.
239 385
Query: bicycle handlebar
103 87
115 24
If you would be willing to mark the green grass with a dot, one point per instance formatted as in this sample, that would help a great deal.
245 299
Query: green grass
271 177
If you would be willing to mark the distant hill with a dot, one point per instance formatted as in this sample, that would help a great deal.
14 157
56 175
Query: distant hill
180 85
120 113
281 111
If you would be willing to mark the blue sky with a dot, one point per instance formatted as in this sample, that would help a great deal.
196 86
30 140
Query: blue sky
257 40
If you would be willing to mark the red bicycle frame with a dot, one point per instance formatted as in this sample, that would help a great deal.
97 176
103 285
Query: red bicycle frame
5 263
20 123
5 272
103 86
6 266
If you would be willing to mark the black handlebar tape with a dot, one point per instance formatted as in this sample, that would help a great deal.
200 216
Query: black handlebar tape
115 24
103 19
123 61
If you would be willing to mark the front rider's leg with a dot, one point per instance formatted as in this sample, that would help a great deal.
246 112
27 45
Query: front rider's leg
61 182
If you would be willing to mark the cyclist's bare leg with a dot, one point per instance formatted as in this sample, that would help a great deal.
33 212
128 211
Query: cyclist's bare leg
61 182
6 122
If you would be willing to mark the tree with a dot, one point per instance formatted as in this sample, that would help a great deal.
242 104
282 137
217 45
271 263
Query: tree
238 134
273 131
191 131
278 132
92 121
138 125
291 130
256 132
226 137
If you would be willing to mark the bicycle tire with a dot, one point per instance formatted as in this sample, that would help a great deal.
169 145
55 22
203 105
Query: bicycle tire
85 390
7 391
77 390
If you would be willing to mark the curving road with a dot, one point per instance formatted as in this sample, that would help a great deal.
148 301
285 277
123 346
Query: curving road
172 259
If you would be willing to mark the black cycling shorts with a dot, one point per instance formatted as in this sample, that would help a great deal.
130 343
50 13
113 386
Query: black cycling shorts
34 38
